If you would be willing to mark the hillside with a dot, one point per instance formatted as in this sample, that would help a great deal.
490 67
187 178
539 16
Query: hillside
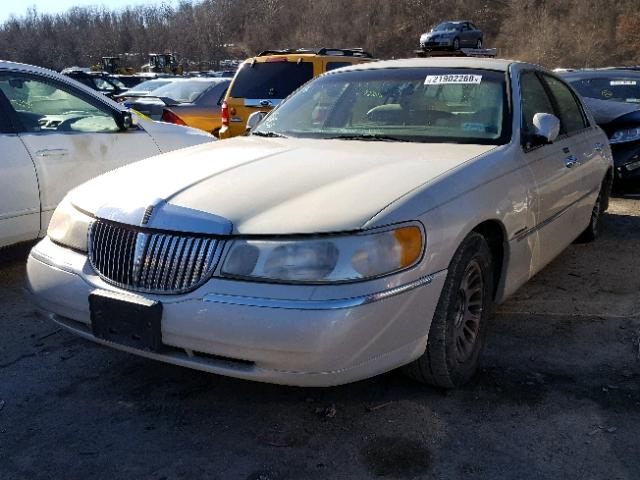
568 33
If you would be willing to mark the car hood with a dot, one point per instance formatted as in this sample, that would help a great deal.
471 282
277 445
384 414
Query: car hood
252 185
169 137
606 112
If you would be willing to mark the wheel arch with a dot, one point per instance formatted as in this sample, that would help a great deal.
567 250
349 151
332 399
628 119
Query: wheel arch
495 234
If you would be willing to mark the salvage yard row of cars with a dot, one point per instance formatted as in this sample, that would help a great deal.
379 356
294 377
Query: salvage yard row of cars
369 222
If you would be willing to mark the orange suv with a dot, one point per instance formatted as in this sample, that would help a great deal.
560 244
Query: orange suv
263 81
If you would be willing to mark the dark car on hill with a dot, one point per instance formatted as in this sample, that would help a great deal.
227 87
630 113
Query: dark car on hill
613 95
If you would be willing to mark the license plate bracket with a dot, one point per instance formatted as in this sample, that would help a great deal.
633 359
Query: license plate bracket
126 320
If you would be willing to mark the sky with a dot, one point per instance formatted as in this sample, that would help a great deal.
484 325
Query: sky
8 7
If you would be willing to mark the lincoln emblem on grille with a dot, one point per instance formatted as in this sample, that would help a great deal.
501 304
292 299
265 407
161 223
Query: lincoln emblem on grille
147 214
138 253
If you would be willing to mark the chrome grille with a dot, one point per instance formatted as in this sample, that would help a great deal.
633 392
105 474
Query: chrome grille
155 262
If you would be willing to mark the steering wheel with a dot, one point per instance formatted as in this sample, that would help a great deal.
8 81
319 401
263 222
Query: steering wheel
435 115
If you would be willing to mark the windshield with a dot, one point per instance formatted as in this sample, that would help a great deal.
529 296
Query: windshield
149 86
409 104
445 26
617 89
270 80
184 91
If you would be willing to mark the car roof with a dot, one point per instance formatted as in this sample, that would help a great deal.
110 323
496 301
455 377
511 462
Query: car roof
437 62
599 73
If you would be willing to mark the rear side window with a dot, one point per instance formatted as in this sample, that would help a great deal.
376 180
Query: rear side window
570 112
270 79
334 65
534 100
215 95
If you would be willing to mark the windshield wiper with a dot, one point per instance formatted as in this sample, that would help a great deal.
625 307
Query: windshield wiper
369 137
269 134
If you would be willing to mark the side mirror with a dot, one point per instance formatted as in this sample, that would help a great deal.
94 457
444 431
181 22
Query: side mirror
124 120
254 119
546 128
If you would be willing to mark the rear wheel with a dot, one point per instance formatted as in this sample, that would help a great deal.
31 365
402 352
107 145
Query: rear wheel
479 44
457 332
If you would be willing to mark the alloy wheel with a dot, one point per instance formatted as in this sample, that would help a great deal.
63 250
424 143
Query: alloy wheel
469 308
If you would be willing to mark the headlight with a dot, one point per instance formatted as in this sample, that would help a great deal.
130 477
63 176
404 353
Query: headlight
625 135
326 259
69 226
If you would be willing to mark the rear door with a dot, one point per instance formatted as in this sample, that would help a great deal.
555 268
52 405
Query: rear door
70 136
557 186
19 197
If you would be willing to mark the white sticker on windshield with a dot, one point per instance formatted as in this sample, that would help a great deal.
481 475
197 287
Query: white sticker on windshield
453 79
615 83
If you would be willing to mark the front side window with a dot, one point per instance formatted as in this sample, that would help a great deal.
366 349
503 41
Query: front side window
534 100
410 104
570 113
44 106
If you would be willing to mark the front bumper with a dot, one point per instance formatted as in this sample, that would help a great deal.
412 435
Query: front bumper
434 45
626 158
294 335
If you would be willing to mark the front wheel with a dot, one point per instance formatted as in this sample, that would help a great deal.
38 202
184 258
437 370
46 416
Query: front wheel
479 44
456 335
456 43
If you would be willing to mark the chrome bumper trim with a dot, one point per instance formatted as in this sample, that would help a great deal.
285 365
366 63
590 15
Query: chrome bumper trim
331 304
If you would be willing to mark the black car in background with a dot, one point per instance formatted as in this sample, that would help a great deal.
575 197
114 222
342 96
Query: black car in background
613 96
103 83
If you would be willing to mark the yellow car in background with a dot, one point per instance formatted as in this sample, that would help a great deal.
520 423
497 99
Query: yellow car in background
262 82
193 102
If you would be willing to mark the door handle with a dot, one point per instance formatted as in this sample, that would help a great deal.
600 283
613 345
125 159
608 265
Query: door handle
52 152
571 161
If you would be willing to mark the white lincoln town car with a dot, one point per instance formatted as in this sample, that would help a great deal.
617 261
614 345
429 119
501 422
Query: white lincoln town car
370 222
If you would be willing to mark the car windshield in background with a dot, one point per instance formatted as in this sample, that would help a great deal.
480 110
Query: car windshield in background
184 91
445 27
270 80
416 104
149 86
617 89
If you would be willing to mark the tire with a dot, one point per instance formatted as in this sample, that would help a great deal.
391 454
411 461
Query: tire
479 44
602 203
458 328
456 44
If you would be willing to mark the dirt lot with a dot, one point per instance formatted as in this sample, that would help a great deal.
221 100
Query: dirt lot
558 396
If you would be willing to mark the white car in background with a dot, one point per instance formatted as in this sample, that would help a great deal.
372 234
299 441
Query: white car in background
371 221
55 134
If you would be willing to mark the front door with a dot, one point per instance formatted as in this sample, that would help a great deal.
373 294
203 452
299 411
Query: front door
19 199
70 136
558 184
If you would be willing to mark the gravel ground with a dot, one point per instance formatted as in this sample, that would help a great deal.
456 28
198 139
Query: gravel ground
558 396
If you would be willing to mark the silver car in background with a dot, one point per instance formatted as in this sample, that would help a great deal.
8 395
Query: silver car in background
452 35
